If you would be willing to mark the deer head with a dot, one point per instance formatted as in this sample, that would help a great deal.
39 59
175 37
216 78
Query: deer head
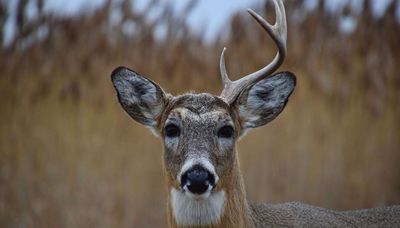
199 131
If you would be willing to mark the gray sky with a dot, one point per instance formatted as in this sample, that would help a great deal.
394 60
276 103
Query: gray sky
209 16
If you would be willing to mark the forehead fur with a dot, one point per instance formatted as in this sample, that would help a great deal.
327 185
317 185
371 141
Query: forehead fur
198 103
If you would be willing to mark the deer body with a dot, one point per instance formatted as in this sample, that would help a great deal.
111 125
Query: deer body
199 134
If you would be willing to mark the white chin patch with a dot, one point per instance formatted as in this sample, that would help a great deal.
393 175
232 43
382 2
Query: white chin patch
203 196
197 210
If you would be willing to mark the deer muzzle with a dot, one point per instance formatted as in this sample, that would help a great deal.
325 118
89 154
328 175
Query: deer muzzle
197 180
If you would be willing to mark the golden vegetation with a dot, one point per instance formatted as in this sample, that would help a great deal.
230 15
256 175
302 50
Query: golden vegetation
70 156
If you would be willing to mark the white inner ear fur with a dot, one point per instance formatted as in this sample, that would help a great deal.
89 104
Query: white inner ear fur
155 104
190 211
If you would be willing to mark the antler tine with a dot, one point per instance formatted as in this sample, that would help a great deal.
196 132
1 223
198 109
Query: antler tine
224 75
278 33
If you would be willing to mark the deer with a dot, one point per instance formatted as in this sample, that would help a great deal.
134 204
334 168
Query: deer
199 134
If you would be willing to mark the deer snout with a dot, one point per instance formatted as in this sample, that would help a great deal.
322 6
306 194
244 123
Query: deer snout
197 180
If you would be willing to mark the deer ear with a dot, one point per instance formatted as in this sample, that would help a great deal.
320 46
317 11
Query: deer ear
141 98
262 102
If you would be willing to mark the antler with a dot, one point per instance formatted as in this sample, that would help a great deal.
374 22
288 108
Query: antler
278 33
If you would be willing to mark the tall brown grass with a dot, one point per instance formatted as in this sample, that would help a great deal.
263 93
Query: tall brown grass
70 157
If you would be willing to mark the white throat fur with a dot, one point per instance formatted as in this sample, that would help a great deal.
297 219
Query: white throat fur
192 211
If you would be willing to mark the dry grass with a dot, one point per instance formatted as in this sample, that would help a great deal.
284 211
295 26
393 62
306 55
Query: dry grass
70 156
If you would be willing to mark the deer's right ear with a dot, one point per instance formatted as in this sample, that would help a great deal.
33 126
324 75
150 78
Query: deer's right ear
141 98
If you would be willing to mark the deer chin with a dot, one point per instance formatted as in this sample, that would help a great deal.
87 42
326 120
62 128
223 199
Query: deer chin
197 210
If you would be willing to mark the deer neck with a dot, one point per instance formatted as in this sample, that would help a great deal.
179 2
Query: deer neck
228 202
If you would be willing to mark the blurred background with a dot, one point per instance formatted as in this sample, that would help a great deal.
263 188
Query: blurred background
71 157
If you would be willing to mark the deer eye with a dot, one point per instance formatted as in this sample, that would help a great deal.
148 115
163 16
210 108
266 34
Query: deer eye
225 132
171 130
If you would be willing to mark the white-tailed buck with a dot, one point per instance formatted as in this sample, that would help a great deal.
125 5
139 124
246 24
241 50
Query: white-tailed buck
199 133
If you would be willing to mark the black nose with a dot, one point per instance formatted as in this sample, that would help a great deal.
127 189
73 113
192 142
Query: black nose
197 180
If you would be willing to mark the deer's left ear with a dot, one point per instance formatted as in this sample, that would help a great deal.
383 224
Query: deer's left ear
262 102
